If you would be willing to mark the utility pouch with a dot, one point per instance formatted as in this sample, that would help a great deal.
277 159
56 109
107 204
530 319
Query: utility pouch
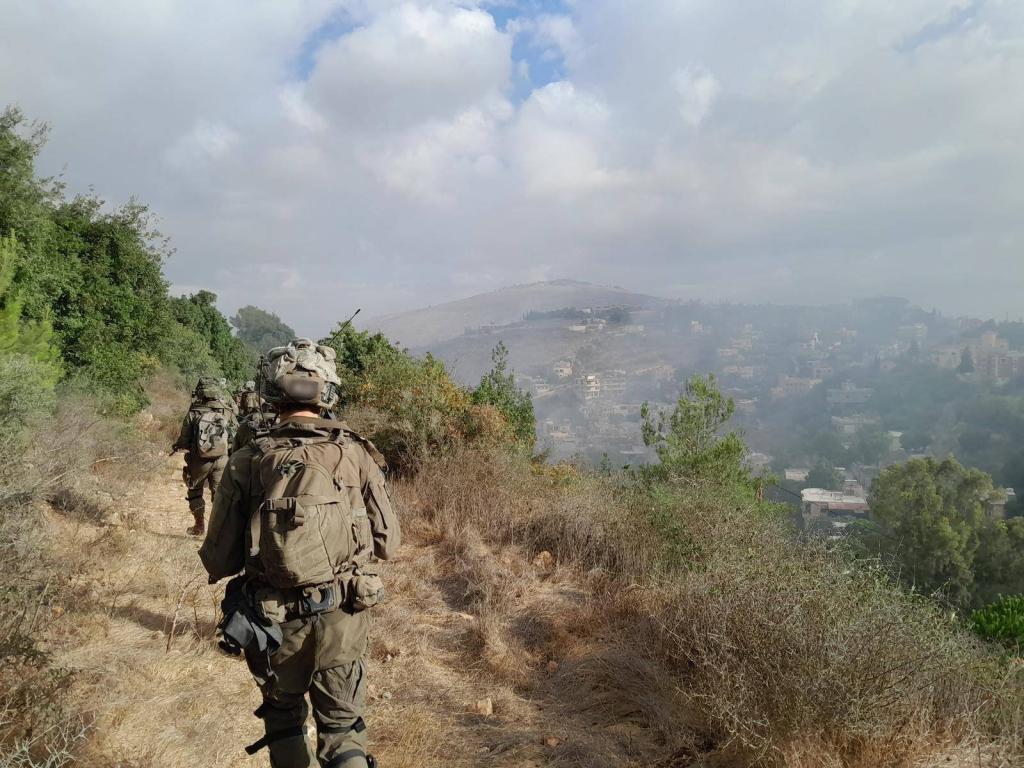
241 628
366 589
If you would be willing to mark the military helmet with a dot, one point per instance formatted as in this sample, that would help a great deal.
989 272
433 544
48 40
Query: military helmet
302 372
208 388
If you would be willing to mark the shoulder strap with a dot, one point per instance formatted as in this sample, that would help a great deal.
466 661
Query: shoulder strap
370 448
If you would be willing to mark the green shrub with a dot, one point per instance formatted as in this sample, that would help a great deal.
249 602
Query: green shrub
1002 621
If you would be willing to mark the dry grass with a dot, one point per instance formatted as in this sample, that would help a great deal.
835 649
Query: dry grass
605 652
764 651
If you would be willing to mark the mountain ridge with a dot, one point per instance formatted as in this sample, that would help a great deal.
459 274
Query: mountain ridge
422 327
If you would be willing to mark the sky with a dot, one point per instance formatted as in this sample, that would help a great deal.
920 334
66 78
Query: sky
314 156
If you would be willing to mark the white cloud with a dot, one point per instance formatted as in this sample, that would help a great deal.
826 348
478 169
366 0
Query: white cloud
206 141
372 149
410 64
697 89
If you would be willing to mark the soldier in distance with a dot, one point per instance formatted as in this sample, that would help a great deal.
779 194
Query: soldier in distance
248 400
303 511
206 435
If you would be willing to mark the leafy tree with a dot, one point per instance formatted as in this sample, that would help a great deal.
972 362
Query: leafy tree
357 352
34 340
260 329
199 314
824 475
931 521
423 409
966 362
691 447
829 446
498 388
871 445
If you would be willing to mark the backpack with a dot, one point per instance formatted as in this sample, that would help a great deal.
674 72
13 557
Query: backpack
311 523
211 433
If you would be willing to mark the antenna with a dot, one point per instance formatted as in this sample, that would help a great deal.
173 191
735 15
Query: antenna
343 326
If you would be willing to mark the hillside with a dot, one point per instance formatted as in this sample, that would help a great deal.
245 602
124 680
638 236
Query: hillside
428 326
543 635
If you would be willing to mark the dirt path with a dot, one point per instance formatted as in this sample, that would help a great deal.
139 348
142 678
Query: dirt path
162 695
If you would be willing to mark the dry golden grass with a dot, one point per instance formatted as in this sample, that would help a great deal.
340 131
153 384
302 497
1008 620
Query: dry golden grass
594 655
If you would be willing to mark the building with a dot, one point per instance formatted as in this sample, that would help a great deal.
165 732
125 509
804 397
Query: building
796 474
946 357
661 372
562 369
910 333
819 503
794 385
848 393
851 425
590 386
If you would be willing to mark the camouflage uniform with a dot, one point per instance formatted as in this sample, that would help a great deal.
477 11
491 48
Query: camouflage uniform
248 399
199 472
322 654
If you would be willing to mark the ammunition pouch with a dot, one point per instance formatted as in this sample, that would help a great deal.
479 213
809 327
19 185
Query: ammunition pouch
366 589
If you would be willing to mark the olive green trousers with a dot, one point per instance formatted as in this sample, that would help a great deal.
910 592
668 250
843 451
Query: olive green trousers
320 663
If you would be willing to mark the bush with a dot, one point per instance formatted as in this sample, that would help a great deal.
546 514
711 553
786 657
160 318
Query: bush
1002 621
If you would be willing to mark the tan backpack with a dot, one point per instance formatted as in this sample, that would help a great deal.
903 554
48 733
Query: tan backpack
212 433
311 525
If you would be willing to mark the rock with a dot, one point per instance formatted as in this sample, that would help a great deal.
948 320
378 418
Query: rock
483 707
552 667
544 561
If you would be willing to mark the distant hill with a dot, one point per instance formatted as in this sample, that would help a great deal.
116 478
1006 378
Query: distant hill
431 325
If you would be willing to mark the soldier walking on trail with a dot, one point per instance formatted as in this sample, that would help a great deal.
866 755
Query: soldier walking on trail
206 435
303 512
248 400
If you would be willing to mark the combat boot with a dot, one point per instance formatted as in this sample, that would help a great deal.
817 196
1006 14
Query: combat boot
200 525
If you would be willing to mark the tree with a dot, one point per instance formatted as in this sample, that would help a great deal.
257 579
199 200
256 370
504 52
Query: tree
871 445
966 362
930 519
261 330
498 388
198 313
692 450
824 475
34 340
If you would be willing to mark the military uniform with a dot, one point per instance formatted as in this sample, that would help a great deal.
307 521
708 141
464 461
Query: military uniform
248 400
200 472
322 652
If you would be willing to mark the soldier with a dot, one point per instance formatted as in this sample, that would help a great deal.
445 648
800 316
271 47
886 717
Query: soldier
248 399
304 512
206 435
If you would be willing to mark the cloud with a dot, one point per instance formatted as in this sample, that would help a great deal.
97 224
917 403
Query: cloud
315 155
697 90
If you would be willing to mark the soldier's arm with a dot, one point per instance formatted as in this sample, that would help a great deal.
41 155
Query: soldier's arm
387 533
223 550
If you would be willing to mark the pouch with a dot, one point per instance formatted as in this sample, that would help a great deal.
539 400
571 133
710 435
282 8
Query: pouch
366 589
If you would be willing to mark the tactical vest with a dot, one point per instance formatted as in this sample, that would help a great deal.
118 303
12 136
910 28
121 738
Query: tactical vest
310 524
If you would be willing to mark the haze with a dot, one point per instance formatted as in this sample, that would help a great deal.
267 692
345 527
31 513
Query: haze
392 155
